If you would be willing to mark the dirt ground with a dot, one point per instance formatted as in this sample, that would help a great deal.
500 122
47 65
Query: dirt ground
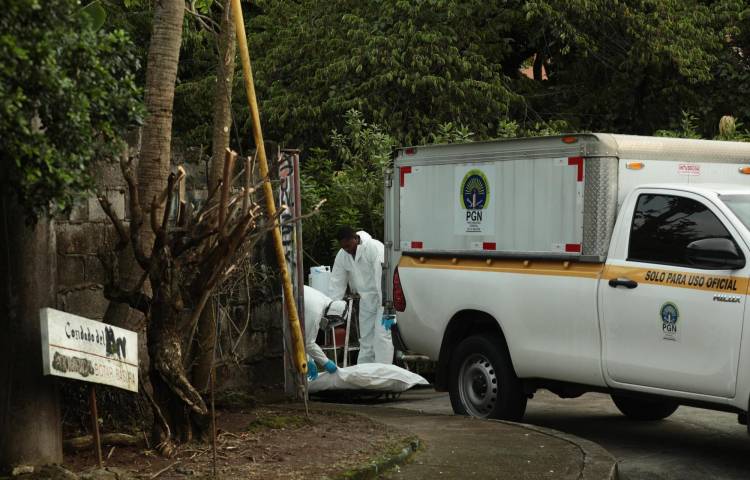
267 442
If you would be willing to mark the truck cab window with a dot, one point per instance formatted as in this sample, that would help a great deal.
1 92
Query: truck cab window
664 225
740 206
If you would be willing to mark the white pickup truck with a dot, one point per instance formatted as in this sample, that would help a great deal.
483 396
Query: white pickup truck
591 262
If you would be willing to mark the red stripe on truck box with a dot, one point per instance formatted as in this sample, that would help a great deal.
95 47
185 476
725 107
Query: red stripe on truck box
402 171
578 162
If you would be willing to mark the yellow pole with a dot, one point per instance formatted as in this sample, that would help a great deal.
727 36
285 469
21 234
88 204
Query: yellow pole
298 346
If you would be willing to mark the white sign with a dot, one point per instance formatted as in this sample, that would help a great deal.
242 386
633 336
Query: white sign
691 169
474 199
83 349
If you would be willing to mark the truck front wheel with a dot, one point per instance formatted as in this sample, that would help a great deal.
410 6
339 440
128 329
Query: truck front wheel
482 381
645 410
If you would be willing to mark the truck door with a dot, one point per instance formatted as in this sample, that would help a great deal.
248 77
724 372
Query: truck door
671 321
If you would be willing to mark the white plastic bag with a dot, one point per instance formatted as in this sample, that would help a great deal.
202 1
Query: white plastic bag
367 376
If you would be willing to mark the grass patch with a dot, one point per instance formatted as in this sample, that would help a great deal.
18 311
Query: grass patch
395 453
278 422
235 399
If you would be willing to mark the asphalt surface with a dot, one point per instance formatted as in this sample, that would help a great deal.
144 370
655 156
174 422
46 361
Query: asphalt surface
464 447
691 444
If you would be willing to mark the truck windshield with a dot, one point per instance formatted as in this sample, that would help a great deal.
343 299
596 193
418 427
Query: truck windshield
740 206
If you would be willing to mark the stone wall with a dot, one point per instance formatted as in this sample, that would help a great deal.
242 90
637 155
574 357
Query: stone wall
260 350
80 236
87 230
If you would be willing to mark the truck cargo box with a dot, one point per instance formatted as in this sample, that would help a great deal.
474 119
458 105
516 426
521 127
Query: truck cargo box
545 197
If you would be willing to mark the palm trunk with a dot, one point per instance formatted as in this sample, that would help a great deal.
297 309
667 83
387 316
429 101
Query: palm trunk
156 141
161 74
153 170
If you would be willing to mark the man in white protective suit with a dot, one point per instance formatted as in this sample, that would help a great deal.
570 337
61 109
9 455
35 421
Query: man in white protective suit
359 264
318 307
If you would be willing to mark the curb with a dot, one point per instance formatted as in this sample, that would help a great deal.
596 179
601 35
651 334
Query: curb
382 464
598 463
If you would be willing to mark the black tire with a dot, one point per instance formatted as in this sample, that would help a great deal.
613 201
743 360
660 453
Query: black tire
482 381
643 409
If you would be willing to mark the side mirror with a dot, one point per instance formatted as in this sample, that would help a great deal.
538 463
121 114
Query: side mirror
716 253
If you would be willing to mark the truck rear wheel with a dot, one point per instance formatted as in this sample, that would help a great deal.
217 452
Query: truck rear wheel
644 410
482 381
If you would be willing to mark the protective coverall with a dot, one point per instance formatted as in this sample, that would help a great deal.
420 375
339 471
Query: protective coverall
315 305
362 273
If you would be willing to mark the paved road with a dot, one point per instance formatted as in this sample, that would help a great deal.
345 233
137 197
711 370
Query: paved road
691 444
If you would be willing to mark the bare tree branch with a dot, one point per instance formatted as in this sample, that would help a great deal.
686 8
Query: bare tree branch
136 212
246 190
206 22
114 293
122 232
162 234
226 186
134 299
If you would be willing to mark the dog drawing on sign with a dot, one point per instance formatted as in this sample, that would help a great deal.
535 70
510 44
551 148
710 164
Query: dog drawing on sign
115 345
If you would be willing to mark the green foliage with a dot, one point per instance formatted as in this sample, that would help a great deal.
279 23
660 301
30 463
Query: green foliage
67 93
409 65
450 133
632 66
349 176
729 129
687 128
413 68
511 129
94 14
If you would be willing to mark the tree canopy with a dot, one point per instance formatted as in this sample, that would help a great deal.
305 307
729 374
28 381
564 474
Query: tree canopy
67 94
633 66
407 65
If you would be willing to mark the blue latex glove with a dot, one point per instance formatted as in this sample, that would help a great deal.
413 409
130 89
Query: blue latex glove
388 321
330 366
312 371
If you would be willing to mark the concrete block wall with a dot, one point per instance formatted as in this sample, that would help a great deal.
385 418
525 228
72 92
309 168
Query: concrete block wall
81 235
259 359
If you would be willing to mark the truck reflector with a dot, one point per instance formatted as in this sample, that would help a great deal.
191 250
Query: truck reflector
745 170
573 247
489 246
635 165
569 139
399 300
417 245
410 150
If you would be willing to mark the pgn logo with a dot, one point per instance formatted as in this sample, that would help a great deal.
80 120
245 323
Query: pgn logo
475 194
669 315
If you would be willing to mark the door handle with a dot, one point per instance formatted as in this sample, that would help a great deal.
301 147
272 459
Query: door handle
623 282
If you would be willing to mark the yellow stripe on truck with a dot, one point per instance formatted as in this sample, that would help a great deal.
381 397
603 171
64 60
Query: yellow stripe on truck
560 268
671 278
531 267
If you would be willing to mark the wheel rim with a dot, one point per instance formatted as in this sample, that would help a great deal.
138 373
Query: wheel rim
478 385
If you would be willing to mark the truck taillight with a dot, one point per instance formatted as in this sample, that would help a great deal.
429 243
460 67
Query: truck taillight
399 300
